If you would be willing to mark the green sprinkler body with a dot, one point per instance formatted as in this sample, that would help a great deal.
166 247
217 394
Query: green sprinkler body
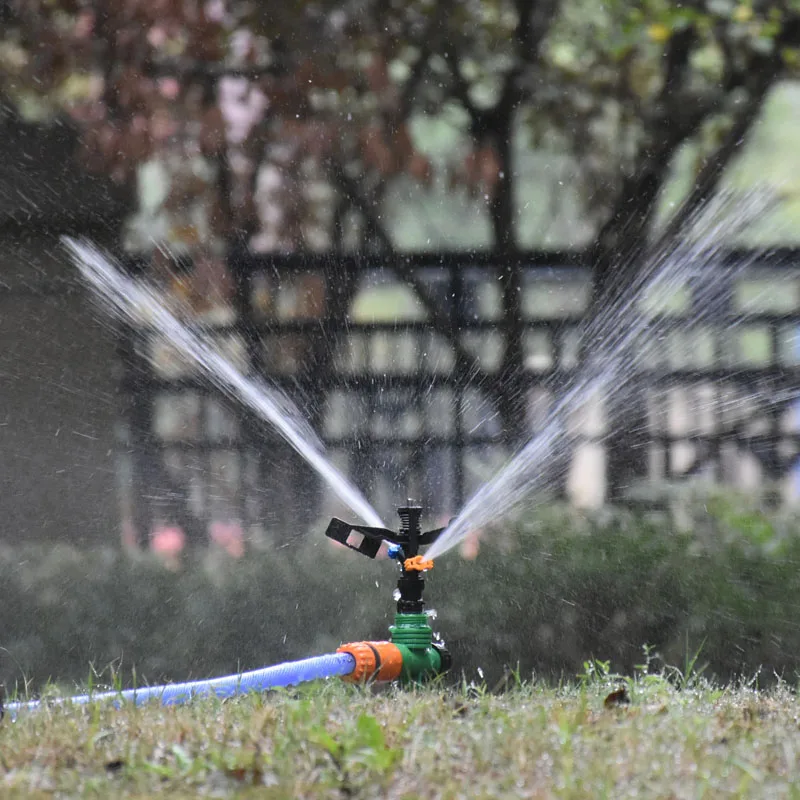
411 655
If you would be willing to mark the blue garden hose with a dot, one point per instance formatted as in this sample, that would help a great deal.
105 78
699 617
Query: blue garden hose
259 680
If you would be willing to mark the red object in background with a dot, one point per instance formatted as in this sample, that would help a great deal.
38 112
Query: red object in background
168 542
471 546
229 536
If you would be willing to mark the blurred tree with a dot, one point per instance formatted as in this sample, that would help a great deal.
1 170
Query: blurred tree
283 125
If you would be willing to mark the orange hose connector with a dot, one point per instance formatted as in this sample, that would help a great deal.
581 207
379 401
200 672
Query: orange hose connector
417 564
379 661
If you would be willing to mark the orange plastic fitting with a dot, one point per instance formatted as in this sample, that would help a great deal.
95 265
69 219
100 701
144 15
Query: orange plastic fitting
379 661
417 564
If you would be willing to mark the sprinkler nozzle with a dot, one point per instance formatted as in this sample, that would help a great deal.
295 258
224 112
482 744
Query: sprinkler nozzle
394 551
404 547
417 564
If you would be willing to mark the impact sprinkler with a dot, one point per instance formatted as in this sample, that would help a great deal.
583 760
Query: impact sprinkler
411 655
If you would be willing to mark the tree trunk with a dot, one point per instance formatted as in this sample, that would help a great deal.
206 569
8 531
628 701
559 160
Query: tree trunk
510 388
617 257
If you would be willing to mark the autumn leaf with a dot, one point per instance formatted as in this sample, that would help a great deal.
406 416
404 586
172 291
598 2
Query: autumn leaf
658 32
619 697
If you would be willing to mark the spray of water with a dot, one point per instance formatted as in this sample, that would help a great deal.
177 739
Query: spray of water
622 338
140 305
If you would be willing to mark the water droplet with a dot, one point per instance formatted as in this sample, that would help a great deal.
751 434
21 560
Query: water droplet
480 673
396 594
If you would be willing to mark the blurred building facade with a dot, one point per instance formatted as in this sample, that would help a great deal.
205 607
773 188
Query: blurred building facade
57 373
89 447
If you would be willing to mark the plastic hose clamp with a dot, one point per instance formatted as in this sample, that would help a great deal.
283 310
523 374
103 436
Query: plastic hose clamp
379 661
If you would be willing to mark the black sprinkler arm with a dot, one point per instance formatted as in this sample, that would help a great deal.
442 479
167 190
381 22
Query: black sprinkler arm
409 537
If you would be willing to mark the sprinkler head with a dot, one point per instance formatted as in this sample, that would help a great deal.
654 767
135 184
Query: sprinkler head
404 546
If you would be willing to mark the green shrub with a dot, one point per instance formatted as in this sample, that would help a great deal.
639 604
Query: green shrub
545 594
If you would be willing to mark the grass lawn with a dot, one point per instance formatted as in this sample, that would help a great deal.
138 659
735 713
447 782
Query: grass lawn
331 740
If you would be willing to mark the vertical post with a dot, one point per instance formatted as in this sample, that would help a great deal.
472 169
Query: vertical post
135 409
774 461
457 451
796 413
721 323
240 267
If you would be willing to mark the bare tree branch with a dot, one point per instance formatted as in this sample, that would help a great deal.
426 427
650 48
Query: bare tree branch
426 43
535 18
714 167
460 89
671 122
757 78
441 320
